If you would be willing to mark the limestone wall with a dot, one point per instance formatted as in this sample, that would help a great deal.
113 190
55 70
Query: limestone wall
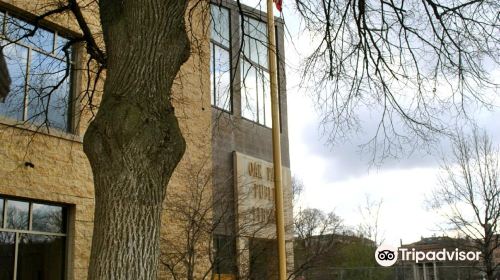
61 172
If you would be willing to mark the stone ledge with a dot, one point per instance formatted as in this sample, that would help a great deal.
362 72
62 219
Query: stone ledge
53 132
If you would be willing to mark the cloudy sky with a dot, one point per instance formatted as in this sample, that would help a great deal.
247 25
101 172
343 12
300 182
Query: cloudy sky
339 177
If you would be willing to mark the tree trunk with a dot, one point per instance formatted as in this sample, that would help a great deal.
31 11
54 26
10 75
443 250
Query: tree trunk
134 142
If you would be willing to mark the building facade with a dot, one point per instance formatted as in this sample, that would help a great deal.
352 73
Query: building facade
445 269
46 187
242 143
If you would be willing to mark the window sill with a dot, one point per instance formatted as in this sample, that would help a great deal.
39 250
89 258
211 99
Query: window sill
53 132
230 112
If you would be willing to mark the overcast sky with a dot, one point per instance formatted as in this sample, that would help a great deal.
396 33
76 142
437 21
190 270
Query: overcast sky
338 178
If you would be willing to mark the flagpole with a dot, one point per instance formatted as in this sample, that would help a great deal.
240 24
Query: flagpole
278 189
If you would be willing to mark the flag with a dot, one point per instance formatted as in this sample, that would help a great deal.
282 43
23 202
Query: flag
278 4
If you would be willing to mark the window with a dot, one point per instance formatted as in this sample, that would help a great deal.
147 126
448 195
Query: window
32 240
40 88
255 90
225 254
220 63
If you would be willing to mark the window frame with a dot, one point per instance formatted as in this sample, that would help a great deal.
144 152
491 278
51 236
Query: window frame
70 119
17 232
243 59
214 43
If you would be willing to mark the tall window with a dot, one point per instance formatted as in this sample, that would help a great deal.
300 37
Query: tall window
39 92
255 90
220 63
32 240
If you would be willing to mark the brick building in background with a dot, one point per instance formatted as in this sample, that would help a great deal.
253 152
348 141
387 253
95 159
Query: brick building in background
46 189
448 269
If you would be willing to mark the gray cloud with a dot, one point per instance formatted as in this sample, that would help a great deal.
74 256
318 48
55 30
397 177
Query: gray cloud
348 160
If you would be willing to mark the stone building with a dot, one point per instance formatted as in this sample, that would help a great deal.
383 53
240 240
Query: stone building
46 189
242 146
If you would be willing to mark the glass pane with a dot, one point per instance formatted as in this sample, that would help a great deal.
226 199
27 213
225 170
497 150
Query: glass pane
212 89
222 79
261 85
248 91
2 17
7 247
42 39
262 45
1 212
266 91
48 218
220 25
255 41
45 102
40 257
17 214
224 255
16 58
17 30
60 43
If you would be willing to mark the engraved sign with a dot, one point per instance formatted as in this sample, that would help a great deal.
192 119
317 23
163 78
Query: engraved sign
254 189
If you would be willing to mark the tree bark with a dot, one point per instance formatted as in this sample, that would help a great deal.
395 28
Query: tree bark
134 143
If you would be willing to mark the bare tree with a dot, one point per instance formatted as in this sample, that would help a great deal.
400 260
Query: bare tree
193 251
183 251
316 234
369 226
297 188
414 65
469 195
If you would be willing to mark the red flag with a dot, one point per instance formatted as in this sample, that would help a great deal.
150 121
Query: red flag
278 4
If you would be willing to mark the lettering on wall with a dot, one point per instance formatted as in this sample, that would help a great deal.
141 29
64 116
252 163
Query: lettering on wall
254 195
262 192
263 215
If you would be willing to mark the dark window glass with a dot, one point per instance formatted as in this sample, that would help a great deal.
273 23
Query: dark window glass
17 214
40 257
7 248
48 218
225 254
40 248
263 259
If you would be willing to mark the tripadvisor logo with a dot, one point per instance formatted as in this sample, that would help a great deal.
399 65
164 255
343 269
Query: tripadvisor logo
387 255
